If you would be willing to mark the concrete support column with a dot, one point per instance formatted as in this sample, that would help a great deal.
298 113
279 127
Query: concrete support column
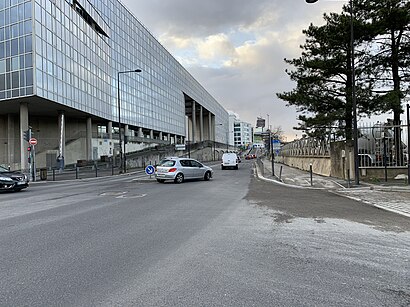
169 138
61 132
11 140
126 130
211 136
23 144
109 130
140 133
89 137
161 136
193 122
201 123
151 134
213 127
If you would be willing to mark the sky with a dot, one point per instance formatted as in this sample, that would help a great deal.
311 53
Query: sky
236 48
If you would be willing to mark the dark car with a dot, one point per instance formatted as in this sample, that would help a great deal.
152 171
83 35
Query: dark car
12 180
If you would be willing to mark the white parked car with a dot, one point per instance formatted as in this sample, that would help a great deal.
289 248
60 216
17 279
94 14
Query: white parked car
230 160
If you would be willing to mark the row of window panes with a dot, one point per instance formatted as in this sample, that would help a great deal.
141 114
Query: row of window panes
16 63
146 52
15 13
16 93
16 46
16 79
16 30
8 3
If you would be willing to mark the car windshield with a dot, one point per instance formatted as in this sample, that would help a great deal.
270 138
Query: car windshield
167 163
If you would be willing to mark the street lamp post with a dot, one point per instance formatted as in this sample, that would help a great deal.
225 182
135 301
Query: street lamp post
122 155
354 107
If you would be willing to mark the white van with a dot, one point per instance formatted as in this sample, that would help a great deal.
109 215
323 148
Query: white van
229 159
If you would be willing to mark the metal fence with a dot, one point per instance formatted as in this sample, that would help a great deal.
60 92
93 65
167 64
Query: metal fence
383 144
307 147
379 145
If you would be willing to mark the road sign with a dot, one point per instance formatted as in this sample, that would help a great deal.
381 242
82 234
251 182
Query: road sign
276 144
32 141
149 170
180 147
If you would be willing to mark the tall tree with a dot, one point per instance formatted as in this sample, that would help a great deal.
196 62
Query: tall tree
388 58
323 76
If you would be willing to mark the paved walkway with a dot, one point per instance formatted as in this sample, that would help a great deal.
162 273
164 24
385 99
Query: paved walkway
391 198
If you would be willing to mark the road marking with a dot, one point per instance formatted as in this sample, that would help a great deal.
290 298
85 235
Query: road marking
132 196
112 193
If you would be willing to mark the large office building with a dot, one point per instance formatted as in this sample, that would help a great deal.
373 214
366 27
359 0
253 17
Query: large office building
73 70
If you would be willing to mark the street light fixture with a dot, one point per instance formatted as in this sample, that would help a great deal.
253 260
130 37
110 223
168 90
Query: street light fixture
122 155
354 107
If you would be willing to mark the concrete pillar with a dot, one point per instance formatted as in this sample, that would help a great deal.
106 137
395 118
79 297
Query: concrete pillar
201 123
23 144
140 133
213 127
11 139
193 122
89 137
161 136
109 130
151 134
211 137
126 130
169 138
61 132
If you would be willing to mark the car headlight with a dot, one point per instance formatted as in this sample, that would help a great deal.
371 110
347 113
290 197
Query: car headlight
5 178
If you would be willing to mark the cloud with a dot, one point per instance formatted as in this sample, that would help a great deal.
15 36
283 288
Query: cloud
236 48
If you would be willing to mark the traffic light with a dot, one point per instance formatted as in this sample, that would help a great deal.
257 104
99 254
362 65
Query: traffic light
29 148
27 134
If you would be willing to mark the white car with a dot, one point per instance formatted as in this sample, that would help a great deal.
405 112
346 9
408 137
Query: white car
229 160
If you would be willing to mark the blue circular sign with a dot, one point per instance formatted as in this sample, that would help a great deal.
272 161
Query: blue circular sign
149 170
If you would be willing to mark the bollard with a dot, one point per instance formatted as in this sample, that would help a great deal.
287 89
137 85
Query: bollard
96 169
76 172
54 174
348 178
280 173
112 169
311 174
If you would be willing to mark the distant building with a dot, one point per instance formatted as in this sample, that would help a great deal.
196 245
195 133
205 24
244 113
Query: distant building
241 133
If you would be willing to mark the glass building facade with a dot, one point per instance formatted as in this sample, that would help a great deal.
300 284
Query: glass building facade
16 48
68 53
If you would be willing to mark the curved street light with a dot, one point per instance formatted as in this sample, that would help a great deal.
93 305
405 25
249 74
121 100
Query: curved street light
354 107
122 155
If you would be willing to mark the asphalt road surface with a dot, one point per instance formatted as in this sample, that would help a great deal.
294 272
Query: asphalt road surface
232 241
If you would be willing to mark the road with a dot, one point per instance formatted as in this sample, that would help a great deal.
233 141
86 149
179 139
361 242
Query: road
232 241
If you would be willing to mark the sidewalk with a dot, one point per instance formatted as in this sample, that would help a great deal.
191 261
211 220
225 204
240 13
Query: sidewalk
391 198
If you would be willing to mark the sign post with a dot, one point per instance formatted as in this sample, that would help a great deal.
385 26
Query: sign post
149 170
33 142
275 146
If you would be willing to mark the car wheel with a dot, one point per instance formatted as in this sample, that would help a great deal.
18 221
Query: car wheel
207 176
179 178
161 180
